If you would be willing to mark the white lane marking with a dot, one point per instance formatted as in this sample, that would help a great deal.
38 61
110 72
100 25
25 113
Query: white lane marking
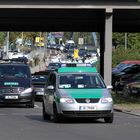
37 106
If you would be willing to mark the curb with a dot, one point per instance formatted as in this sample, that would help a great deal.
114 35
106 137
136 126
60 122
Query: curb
127 112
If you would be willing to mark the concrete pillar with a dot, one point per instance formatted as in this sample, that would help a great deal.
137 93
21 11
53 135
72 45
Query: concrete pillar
108 48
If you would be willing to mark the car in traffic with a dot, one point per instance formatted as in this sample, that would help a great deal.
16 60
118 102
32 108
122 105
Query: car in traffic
77 91
53 66
39 82
82 53
91 53
15 84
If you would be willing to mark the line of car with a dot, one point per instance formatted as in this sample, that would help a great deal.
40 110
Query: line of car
126 78
69 91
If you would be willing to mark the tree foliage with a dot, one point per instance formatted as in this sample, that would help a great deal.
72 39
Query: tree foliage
131 52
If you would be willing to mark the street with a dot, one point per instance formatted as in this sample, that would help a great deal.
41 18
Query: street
19 123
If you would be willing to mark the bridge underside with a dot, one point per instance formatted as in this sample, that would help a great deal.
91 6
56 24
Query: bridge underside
67 20
77 20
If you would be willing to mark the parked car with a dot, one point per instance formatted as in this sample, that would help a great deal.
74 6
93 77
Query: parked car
129 69
75 91
132 89
124 81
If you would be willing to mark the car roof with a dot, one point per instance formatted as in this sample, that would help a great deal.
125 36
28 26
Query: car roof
77 70
13 64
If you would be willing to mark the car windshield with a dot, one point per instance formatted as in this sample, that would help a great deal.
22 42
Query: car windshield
80 81
39 78
123 66
14 71
54 64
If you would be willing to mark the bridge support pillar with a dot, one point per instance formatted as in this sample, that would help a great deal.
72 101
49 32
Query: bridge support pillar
108 47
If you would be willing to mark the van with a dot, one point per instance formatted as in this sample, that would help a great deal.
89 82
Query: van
16 84
77 91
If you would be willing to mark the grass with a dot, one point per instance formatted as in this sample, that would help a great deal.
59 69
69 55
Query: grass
130 103
118 99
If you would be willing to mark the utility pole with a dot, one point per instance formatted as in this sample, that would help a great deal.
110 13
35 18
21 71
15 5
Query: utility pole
125 41
7 44
22 38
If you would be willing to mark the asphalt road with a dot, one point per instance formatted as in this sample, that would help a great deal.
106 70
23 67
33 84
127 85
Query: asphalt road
19 123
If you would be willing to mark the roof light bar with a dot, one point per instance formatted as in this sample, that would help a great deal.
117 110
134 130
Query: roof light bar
76 65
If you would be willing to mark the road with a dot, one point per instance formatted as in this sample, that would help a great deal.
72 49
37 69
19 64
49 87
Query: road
18 123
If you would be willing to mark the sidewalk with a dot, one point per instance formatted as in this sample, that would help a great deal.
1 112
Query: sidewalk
133 109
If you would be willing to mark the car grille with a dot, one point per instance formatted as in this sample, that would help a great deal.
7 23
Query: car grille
11 90
38 89
87 100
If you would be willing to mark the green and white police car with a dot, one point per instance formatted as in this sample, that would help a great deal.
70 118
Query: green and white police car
77 90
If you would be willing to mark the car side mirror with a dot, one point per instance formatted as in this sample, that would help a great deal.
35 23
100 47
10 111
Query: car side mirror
51 87
109 87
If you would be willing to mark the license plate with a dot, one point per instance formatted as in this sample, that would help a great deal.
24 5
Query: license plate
87 108
39 93
134 91
11 97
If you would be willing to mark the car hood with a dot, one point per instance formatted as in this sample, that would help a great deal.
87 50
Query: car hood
82 93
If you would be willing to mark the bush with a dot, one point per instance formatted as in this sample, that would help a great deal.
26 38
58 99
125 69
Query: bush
120 54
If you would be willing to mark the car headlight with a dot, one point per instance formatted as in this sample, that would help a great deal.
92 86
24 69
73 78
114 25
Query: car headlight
28 90
106 100
66 100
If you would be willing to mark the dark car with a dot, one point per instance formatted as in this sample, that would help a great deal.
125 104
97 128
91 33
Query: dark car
122 65
82 53
53 67
124 81
91 53
70 53
15 84
132 89
39 83
129 70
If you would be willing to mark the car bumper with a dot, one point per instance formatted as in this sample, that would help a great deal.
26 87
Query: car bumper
87 114
88 110
7 99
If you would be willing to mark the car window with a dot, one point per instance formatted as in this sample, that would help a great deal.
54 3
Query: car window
80 81
39 78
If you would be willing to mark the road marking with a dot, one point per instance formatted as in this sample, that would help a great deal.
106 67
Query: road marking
37 106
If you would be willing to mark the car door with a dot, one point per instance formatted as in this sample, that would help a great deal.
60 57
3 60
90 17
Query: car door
50 93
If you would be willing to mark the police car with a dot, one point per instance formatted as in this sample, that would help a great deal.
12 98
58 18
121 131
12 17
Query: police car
77 90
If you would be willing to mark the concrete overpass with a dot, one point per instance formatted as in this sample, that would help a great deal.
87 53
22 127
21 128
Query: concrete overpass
102 16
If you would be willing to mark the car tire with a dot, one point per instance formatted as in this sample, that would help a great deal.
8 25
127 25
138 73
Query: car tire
56 117
109 119
45 115
31 104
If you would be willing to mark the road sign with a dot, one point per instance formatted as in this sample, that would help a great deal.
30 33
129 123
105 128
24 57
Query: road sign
80 41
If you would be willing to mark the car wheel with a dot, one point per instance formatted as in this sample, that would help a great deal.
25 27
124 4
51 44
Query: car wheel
56 117
45 115
109 119
31 104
